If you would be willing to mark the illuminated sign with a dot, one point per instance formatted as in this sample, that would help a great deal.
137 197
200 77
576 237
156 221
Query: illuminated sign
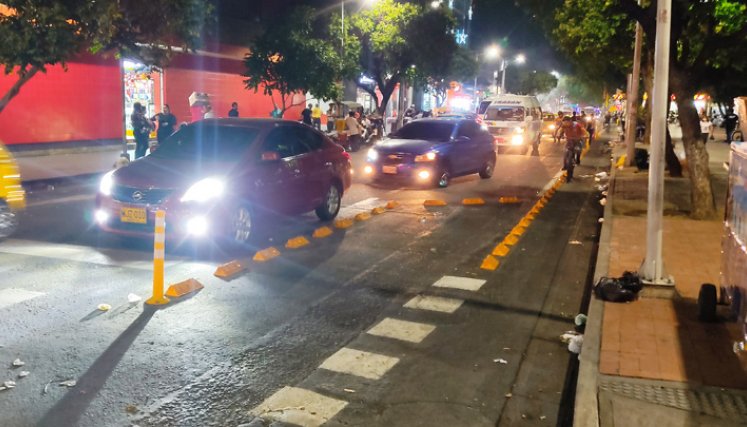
461 37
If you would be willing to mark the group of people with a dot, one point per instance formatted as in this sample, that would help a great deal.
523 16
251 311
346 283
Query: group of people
729 123
164 123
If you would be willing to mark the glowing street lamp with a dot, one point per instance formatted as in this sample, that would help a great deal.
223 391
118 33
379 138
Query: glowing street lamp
519 59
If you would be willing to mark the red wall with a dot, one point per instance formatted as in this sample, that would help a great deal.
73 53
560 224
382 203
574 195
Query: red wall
84 103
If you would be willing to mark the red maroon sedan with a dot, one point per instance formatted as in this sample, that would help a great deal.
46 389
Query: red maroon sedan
218 177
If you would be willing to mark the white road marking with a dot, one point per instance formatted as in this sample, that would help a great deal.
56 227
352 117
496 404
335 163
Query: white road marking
359 363
402 330
358 207
551 182
78 198
464 283
298 406
110 257
12 296
427 302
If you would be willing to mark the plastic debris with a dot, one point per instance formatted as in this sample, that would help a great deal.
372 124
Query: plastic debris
17 363
422 220
603 202
580 319
131 409
575 344
104 307
601 220
348 390
433 250
132 298
501 361
567 336
68 383
575 242
509 395
9 384
602 175
542 418
23 374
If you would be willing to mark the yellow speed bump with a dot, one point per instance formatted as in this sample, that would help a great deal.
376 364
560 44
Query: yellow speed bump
322 232
536 209
229 269
511 240
518 230
391 204
509 199
431 202
297 242
525 222
378 211
501 250
363 216
490 263
530 216
266 254
344 223
473 202
184 288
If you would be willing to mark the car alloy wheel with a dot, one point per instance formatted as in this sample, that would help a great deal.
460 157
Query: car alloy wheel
488 169
8 221
331 204
242 225
443 180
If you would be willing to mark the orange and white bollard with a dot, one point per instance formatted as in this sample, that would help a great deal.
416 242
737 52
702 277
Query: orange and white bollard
159 252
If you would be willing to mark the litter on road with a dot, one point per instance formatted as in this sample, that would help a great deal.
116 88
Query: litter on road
68 383
23 374
18 362
104 307
501 361
132 298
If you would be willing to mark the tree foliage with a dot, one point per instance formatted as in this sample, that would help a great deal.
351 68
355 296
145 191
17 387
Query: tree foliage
536 82
288 60
462 67
39 33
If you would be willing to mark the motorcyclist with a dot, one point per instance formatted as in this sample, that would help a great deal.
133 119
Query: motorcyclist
575 135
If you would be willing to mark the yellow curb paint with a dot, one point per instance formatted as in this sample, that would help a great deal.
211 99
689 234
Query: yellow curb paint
490 263
518 230
473 202
530 216
266 254
434 203
510 240
525 222
378 211
229 269
509 199
183 288
501 250
344 223
363 216
392 204
322 232
297 242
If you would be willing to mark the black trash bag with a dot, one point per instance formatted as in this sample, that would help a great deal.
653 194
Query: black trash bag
641 158
612 290
631 281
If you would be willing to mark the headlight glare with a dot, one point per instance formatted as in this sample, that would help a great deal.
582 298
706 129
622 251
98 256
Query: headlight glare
373 155
427 157
517 140
106 184
519 130
204 190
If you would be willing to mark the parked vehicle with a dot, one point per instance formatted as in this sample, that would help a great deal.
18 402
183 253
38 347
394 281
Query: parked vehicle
222 177
433 151
12 195
514 121
548 124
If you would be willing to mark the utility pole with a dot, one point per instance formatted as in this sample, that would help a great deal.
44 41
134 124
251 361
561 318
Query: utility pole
632 109
652 270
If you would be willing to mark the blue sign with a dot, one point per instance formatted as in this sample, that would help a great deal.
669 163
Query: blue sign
461 37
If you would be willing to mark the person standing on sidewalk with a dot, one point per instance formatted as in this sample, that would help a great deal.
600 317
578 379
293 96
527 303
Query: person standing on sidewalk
730 124
354 130
316 117
706 127
141 128
209 113
306 115
166 122
234 111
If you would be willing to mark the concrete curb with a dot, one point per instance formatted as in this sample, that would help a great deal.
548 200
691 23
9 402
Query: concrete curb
586 405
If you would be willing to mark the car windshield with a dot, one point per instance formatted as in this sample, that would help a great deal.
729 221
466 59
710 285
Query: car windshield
429 131
207 142
505 113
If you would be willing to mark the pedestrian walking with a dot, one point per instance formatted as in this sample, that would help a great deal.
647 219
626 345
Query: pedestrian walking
706 127
730 124
316 117
166 122
234 111
141 128
354 130
306 115
330 119
209 113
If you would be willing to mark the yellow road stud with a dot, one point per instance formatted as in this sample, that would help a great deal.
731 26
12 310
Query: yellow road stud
363 216
229 269
509 199
490 263
266 254
297 242
392 204
511 240
525 222
501 250
322 232
432 202
518 230
378 211
183 288
344 223
473 202
530 216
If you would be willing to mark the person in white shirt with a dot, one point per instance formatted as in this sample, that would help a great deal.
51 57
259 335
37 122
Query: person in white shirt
706 127
353 130
209 113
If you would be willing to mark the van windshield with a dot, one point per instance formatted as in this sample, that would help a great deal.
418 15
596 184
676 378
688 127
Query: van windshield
505 113
484 106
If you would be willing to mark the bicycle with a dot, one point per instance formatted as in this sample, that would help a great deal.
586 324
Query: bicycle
572 151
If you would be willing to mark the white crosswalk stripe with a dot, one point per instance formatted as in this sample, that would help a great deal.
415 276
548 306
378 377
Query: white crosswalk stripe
298 406
433 303
359 363
464 283
13 296
402 330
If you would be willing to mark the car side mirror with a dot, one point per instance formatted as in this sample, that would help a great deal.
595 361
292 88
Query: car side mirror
270 156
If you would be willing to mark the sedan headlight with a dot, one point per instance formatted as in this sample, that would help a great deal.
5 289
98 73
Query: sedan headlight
552 127
204 190
484 127
519 130
373 155
427 157
107 183
517 140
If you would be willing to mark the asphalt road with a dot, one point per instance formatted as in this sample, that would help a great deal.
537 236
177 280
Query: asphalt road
389 322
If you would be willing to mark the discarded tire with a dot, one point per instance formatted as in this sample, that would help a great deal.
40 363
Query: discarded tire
707 303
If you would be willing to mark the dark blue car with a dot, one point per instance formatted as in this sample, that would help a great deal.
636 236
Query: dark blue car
433 151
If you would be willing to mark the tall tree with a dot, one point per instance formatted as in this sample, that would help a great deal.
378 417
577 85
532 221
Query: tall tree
289 60
535 82
39 33
462 68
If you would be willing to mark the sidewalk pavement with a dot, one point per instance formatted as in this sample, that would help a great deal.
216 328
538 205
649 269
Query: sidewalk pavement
650 362
48 165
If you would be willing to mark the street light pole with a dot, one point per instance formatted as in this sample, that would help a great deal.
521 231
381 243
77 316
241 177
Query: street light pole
630 131
652 269
503 76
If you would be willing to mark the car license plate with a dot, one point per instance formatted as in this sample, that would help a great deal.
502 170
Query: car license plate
133 215
389 169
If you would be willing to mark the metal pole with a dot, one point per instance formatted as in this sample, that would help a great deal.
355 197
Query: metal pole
503 77
652 269
630 131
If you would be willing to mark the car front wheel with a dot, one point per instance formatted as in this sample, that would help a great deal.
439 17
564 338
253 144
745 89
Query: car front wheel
488 169
8 220
443 178
242 225
331 204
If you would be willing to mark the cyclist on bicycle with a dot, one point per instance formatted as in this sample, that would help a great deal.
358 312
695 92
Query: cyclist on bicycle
575 135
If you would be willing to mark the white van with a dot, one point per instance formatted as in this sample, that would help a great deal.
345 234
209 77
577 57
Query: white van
515 121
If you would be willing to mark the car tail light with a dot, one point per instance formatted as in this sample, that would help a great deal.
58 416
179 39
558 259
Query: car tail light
346 155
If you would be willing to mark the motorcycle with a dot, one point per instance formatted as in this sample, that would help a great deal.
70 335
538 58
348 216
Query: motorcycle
374 130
